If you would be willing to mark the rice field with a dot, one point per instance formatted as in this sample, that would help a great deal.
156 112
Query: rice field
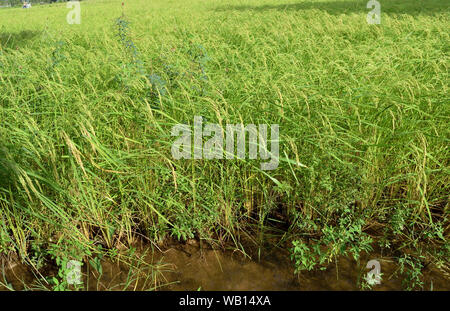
87 111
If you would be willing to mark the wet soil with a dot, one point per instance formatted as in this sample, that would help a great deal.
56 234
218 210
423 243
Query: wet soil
191 267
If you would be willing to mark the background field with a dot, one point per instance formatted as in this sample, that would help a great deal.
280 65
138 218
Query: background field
86 112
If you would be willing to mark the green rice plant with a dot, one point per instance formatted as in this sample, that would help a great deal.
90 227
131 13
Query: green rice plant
86 113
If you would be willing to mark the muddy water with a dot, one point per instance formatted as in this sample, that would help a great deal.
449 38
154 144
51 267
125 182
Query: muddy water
190 267
214 270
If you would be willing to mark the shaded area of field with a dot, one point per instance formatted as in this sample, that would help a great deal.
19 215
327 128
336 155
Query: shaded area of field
87 112
411 7
17 39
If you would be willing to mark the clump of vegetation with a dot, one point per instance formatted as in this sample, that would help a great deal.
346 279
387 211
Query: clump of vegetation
86 113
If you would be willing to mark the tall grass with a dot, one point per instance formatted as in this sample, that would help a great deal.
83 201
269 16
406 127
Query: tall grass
85 132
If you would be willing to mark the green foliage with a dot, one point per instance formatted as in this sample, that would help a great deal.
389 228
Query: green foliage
86 112
303 256
344 236
411 268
